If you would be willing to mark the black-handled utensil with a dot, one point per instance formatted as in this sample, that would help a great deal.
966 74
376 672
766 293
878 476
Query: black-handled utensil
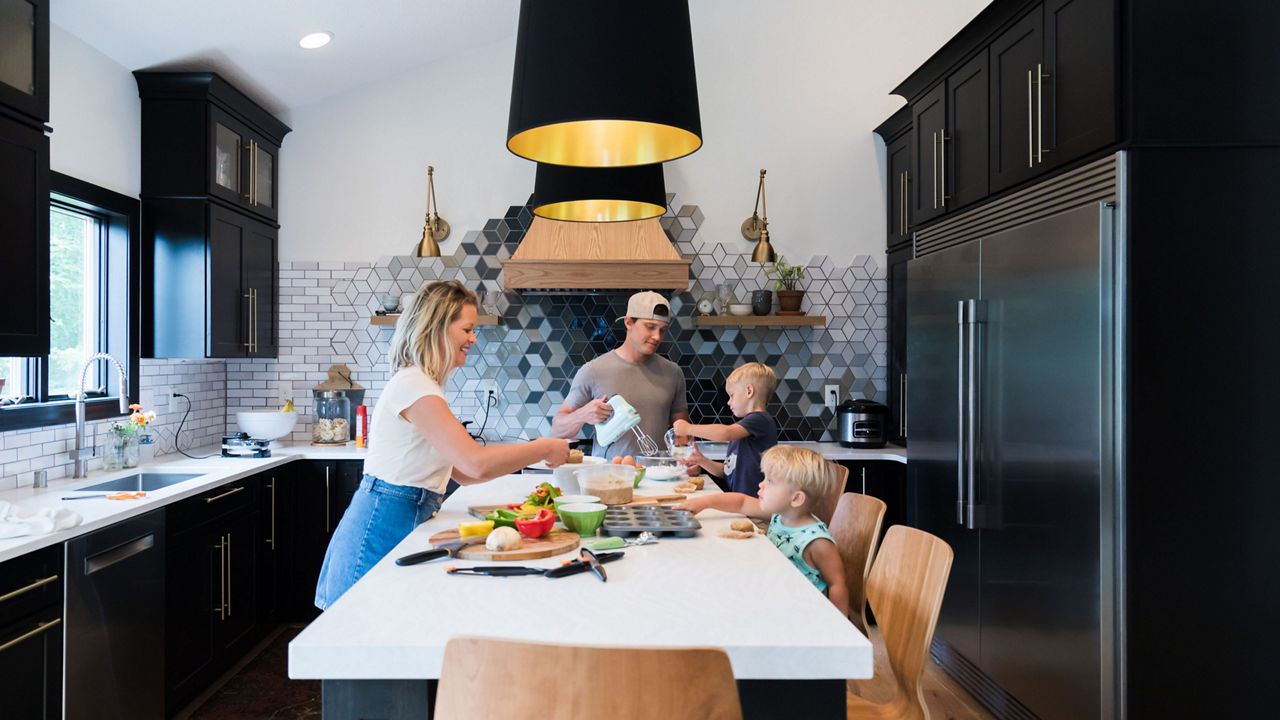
570 568
594 562
444 549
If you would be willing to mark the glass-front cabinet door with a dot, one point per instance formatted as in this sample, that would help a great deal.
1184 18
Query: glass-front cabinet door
262 191
243 165
226 157
24 56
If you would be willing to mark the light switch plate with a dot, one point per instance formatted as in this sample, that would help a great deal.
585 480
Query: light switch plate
831 396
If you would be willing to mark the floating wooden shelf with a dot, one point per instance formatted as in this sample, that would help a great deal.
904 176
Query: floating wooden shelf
761 320
391 319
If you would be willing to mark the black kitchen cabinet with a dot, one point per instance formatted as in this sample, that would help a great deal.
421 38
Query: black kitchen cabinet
274 533
211 573
320 492
213 279
24 239
950 127
31 632
1053 88
896 133
202 136
896 431
24 69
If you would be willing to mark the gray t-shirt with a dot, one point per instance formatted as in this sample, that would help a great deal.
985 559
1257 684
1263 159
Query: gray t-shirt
655 388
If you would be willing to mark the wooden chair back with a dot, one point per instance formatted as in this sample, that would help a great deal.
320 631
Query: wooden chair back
856 529
905 588
826 507
490 677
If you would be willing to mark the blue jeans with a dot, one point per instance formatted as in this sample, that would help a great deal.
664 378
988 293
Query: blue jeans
380 515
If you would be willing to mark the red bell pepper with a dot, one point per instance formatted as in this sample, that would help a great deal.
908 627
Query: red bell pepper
538 525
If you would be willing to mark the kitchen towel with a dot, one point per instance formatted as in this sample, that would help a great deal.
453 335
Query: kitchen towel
16 522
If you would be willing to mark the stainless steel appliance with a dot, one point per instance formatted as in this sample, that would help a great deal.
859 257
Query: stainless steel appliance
1009 341
115 621
862 423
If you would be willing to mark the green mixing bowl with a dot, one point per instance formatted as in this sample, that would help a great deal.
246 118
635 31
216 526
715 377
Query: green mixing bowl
582 518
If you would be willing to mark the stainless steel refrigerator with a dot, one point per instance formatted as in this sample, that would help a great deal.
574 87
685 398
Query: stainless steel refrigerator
1010 341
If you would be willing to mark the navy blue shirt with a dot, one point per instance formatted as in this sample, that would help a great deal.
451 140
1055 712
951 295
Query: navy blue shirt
742 458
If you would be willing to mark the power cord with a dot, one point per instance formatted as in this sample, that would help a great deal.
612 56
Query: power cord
178 434
492 401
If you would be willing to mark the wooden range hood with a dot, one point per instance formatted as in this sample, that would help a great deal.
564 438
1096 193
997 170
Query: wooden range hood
558 255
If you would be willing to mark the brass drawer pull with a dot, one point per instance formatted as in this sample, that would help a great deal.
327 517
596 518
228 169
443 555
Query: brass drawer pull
41 628
29 588
229 492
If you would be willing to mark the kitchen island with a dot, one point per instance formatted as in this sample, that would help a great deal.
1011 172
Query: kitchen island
379 648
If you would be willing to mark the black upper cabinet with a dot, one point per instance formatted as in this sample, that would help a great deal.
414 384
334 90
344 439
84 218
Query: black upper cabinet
24 239
1016 70
24 59
929 128
897 137
202 137
950 127
242 278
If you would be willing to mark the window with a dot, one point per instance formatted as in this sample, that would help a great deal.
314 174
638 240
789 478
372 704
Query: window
93 306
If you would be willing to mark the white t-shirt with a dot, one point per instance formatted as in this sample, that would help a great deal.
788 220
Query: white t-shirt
397 451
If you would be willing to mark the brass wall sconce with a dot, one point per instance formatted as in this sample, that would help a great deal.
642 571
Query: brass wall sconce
435 228
756 227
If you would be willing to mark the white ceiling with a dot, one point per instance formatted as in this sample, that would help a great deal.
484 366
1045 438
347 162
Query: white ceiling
254 43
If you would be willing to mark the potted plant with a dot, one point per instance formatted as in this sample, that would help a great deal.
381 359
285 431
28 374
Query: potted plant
785 279
121 449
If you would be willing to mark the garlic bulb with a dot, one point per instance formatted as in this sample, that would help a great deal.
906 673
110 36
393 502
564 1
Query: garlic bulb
503 538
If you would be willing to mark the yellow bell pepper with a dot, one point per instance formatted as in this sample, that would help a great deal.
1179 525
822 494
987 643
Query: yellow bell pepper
478 528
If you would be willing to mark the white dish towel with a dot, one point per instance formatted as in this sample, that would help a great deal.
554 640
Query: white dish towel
16 522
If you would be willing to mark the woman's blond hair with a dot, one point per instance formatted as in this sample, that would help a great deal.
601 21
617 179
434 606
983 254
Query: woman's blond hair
757 375
802 469
422 334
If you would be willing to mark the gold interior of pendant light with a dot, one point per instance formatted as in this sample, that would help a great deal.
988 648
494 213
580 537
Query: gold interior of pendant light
756 227
600 210
603 143
435 228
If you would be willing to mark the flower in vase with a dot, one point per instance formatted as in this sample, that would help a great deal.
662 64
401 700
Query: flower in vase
135 423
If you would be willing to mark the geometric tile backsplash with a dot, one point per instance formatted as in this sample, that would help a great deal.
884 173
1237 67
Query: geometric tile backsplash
542 339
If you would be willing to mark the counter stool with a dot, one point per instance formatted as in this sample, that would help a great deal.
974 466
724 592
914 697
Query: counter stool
856 529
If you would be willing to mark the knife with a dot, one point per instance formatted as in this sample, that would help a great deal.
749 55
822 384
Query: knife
570 568
444 549
594 562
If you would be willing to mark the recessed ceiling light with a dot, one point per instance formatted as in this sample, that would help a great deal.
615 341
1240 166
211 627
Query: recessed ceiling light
315 40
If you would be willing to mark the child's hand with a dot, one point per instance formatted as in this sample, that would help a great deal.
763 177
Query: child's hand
694 504
695 458
681 427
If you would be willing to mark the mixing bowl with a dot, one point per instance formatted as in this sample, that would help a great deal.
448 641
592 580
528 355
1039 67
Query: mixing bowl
266 424
582 518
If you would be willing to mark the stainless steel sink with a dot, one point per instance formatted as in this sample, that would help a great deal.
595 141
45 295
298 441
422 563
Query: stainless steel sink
143 481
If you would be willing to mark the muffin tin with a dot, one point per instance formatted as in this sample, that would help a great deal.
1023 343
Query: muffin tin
627 521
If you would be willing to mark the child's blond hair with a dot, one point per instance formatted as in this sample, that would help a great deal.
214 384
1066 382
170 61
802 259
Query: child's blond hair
757 375
801 469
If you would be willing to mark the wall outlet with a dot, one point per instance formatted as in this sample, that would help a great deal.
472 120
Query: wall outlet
166 399
485 388
831 396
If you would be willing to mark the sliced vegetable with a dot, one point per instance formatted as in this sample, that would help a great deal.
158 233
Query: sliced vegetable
478 528
538 525
543 495
502 517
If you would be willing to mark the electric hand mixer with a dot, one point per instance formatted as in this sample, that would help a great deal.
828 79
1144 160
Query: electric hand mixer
624 418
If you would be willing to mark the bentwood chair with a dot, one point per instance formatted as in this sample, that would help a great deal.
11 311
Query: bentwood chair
905 588
826 508
491 677
856 529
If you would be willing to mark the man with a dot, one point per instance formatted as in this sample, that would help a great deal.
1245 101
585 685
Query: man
650 383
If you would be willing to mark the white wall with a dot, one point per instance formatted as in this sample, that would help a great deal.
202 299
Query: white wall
796 88
95 114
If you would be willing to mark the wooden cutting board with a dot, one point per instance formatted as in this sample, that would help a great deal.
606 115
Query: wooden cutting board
480 511
553 543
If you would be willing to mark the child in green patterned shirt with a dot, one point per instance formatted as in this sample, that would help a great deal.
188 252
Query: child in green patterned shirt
795 482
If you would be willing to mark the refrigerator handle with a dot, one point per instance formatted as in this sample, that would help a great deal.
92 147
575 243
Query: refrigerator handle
976 315
961 446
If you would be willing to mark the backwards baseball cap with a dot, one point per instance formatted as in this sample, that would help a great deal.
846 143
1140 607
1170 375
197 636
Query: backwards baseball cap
648 305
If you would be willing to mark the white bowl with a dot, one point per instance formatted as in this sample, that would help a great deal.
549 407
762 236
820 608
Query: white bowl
266 424
739 309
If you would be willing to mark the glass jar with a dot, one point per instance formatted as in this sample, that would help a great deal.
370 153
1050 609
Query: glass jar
120 451
333 418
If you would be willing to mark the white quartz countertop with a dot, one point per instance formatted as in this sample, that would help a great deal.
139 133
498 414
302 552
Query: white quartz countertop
216 470
741 595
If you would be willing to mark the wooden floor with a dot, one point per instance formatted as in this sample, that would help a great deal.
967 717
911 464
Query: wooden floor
945 699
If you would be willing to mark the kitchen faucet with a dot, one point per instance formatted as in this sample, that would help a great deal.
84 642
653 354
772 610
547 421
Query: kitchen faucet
80 456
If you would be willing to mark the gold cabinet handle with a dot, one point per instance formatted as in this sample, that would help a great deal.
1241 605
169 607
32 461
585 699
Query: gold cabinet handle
1040 76
253 172
29 588
248 329
229 492
31 633
228 543
326 499
222 578
942 138
253 316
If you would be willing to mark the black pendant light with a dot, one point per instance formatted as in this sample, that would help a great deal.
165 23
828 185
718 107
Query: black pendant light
604 83
599 194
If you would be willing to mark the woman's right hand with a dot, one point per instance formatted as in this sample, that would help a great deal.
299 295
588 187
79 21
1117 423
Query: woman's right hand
555 450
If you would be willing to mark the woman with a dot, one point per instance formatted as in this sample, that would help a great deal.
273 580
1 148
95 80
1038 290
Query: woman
419 443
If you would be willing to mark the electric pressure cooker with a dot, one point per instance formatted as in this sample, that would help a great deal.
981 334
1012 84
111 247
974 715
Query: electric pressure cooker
862 423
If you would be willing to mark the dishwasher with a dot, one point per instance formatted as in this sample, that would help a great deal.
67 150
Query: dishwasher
114 657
